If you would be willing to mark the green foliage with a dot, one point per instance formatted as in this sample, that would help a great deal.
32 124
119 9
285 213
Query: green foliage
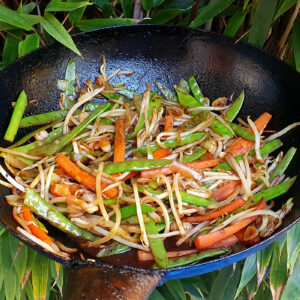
272 272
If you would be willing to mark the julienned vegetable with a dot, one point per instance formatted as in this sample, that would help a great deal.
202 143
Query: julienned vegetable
147 173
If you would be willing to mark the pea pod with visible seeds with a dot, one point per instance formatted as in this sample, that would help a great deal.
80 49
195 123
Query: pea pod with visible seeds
234 109
168 94
196 91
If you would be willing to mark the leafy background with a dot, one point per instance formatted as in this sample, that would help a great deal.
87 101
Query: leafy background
274 25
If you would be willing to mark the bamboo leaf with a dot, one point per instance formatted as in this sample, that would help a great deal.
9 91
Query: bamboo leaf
57 5
235 23
278 270
57 31
220 283
156 295
262 22
285 6
92 24
40 275
213 8
32 19
296 42
231 287
31 42
28 8
293 246
176 289
149 4
263 260
127 8
20 262
76 15
163 16
292 288
13 18
10 50
248 272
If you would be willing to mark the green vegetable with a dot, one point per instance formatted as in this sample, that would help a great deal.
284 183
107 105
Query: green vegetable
186 100
220 129
168 94
194 200
127 93
112 249
274 191
266 149
183 86
281 167
234 109
67 138
48 212
196 91
156 245
196 119
155 101
197 153
70 76
130 210
242 132
172 143
135 165
16 118
134 220
181 261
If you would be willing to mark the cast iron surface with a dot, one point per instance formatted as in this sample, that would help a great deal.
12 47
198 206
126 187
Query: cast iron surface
220 65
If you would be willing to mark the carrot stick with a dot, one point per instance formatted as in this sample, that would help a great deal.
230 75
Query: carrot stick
146 257
199 165
208 240
225 190
36 230
119 151
168 123
161 153
227 209
240 145
83 177
60 190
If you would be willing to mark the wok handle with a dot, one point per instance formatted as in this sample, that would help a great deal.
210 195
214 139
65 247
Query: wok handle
110 283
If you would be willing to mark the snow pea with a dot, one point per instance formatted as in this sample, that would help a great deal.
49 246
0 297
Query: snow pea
64 140
134 220
168 94
234 109
200 117
70 77
196 91
156 245
197 153
155 101
242 132
48 212
186 100
195 200
184 260
183 86
220 129
112 249
127 93
130 210
266 149
135 165
281 167
172 143
274 191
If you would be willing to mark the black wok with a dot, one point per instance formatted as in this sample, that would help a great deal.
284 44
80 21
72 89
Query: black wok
220 65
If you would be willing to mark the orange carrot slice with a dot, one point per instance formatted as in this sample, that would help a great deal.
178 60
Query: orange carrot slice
119 150
161 153
168 123
226 190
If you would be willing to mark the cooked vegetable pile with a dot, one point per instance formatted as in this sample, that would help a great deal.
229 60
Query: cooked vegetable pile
167 175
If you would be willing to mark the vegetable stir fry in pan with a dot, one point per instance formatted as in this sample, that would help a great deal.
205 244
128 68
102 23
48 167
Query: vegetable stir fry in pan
171 176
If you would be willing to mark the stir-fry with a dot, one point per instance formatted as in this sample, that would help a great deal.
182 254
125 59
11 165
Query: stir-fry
167 176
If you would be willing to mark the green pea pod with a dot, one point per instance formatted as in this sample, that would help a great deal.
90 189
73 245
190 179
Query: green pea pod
234 109
186 100
183 86
137 102
153 192
112 249
281 167
242 132
274 191
194 200
16 117
48 212
134 220
200 117
172 143
196 91
70 76
156 245
130 210
64 140
220 129
155 101
197 153
184 260
127 93
135 165
168 94
266 149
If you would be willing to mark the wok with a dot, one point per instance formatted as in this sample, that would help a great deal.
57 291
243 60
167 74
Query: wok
166 53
